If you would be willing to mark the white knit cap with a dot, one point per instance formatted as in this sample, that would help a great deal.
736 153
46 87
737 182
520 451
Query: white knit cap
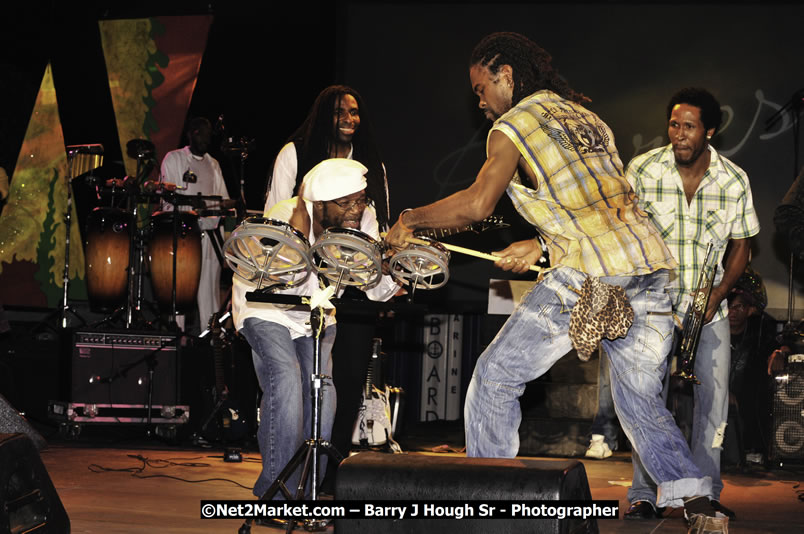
334 178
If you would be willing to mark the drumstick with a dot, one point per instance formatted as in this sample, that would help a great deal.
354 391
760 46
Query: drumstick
467 251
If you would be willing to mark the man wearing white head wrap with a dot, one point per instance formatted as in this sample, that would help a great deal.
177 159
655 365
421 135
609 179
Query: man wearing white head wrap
328 186
334 178
280 336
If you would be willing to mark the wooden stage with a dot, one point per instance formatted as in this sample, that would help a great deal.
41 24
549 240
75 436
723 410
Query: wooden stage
139 486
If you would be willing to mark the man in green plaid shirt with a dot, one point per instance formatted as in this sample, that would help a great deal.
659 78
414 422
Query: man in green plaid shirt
694 196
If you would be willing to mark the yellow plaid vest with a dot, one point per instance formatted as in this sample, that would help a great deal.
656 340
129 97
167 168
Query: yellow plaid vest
581 204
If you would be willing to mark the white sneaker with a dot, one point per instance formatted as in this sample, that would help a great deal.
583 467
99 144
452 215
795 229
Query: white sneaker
598 448
754 458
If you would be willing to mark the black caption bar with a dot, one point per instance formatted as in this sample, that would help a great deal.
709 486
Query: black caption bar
410 509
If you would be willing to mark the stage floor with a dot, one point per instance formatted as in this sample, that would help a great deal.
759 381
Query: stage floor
138 486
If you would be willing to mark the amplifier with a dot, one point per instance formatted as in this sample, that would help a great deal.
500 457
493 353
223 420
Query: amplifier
119 367
787 432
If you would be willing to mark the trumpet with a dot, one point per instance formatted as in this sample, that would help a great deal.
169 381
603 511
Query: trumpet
694 319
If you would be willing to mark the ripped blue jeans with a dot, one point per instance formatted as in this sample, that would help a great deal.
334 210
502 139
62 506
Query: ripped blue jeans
710 412
535 337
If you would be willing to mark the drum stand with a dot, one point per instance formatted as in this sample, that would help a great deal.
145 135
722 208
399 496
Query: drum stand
134 302
342 256
176 201
306 455
172 322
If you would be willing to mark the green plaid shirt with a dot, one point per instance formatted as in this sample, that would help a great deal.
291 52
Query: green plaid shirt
721 209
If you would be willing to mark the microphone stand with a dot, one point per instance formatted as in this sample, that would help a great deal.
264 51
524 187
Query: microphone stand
241 147
151 361
793 106
67 224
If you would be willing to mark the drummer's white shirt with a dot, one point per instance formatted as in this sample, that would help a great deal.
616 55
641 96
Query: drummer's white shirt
210 183
210 179
297 318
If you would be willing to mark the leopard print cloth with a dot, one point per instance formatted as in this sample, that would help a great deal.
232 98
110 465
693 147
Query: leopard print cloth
602 310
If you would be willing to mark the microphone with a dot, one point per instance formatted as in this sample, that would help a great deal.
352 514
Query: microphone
219 126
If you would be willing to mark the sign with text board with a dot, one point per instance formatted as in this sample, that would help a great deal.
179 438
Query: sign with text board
441 368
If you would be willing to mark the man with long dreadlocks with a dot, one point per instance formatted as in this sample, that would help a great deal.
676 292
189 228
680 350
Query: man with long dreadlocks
609 266
338 126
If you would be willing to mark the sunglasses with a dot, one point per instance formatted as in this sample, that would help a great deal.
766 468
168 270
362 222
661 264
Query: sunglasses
346 205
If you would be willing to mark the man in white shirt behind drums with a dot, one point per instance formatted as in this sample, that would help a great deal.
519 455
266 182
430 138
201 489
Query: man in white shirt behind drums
332 201
198 173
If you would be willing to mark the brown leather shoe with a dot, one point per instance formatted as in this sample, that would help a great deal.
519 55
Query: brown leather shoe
704 524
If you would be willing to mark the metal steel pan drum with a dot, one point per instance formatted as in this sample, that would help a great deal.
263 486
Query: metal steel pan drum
421 266
348 257
188 258
107 244
264 252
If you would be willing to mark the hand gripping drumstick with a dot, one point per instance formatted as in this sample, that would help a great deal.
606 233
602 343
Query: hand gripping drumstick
467 251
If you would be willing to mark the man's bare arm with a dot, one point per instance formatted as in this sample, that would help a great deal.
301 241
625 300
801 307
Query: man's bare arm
732 270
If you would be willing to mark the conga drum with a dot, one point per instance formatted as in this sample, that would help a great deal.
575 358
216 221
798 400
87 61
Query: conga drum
107 244
188 258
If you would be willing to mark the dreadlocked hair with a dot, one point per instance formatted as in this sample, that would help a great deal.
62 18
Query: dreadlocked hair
313 140
531 64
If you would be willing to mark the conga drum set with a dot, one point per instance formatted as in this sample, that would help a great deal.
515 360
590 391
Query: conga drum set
166 244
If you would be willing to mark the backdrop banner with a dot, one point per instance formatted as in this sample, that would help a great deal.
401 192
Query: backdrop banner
32 226
153 66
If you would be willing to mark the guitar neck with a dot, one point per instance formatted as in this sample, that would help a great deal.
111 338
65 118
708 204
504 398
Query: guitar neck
440 233
489 223
369 379
374 369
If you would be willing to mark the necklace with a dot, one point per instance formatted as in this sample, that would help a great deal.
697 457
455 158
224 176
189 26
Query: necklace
734 342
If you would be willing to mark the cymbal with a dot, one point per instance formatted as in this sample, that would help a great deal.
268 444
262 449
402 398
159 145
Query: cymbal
137 148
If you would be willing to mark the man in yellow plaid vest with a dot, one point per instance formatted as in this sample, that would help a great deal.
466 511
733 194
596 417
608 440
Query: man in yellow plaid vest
558 163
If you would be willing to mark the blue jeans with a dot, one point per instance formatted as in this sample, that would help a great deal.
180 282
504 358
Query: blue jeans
710 412
605 422
284 367
535 337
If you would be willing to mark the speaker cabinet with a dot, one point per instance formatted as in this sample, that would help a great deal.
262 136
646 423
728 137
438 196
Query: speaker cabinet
113 368
29 500
787 430
372 476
